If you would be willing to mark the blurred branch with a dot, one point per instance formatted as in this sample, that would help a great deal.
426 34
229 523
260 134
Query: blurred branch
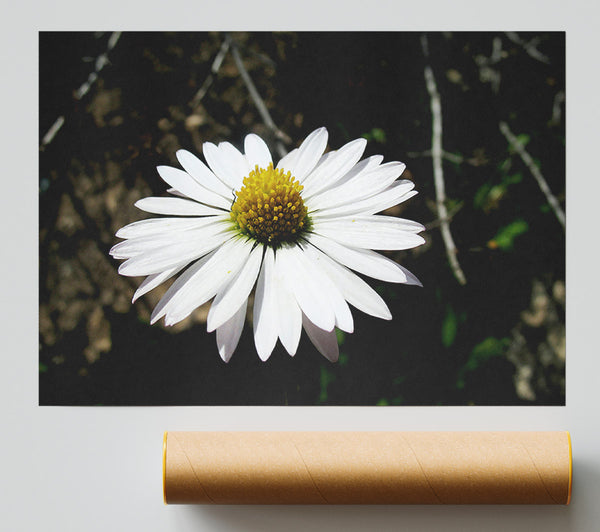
452 157
214 69
438 174
258 101
438 221
51 133
99 63
488 74
559 99
263 58
529 46
535 171
496 50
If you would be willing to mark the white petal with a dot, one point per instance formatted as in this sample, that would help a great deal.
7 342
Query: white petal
319 171
209 280
152 281
239 164
288 311
163 243
185 183
256 151
368 165
356 291
288 159
176 192
227 163
364 261
389 198
151 263
324 341
334 168
377 222
306 289
308 154
179 284
393 195
314 291
202 174
228 335
160 242
155 226
175 207
362 186
372 232
343 316
265 316
324 159
411 278
158 260
230 298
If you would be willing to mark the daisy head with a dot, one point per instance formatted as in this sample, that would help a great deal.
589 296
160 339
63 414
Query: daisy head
293 232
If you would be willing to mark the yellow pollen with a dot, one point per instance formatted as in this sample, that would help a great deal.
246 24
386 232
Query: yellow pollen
269 206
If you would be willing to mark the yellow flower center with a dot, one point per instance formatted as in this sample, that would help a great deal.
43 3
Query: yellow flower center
269 207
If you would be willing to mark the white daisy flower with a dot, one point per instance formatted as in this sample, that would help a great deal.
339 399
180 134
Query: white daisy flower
292 232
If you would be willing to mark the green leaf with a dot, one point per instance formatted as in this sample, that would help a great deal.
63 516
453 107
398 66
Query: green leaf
496 193
376 134
513 179
523 139
480 198
382 402
399 380
488 195
449 327
489 348
341 336
505 165
506 236
452 204
43 367
327 377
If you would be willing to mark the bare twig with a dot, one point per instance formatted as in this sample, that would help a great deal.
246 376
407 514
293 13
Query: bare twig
496 50
99 63
559 99
438 174
214 69
452 157
529 46
51 133
437 222
263 58
535 171
258 101
488 74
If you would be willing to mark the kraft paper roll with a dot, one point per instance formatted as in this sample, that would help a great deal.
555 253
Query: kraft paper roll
367 467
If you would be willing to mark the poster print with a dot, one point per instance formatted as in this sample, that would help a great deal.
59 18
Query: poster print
413 250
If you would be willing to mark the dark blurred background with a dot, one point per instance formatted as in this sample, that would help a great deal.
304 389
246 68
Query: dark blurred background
499 339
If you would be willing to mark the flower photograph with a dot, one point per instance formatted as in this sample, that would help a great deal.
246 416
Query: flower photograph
302 218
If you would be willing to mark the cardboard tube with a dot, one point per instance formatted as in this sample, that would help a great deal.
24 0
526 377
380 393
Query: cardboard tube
367 467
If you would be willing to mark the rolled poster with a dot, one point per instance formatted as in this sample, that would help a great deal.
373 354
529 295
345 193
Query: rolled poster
367 467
